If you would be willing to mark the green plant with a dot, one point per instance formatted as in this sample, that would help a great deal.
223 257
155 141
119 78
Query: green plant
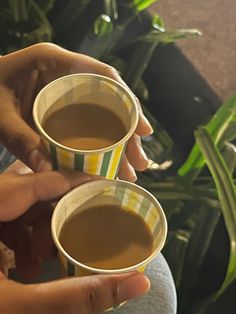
199 204
195 204
23 23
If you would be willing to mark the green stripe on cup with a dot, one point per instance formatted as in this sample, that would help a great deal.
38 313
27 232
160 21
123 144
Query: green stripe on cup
79 162
144 207
120 193
53 151
70 269
105 163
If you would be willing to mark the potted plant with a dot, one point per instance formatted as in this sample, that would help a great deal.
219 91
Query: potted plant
198 191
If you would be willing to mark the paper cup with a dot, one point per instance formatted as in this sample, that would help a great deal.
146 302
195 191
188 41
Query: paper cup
87 88
100 192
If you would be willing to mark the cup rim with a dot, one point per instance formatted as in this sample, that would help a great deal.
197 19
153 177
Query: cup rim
92 151
109 271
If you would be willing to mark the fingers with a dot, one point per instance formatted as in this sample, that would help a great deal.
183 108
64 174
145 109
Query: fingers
144 127
88 64
92 294
44 62
20 192
38 218
18 137
135 153
30 238
18 237
126 171
135 158
42 241
51 185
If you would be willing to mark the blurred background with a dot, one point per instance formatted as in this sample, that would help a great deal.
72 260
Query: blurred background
214 54
178 56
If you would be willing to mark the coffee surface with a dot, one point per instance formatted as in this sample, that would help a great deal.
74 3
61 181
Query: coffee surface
84 126
106 237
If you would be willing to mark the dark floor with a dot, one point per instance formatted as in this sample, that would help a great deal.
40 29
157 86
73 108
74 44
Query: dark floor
214 54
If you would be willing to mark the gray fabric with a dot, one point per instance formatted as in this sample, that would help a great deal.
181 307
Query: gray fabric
161 299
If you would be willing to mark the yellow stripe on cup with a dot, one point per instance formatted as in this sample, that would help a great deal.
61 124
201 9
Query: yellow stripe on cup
132 200
65 159
112 87
87 88
127 102
114 162
142 268
93 163
123 193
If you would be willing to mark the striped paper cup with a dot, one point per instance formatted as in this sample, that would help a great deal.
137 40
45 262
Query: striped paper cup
87 88
128 195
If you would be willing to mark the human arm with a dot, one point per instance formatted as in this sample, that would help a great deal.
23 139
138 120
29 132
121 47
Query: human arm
22 76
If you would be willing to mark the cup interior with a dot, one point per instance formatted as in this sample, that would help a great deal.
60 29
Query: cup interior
86 88
117 192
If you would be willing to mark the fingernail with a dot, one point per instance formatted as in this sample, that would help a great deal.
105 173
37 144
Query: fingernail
142 160
38 162
135 285
133 175
44 166
143 153
148 125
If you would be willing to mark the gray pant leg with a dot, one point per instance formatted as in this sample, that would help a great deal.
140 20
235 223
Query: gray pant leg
161 299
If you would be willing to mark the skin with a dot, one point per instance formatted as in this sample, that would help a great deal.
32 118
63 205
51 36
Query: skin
25 214
22 76
26 197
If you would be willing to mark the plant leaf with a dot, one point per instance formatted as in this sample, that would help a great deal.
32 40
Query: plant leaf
103 25
139 63
65 18
203 224
46 5
44 23
216 128
169 36
229 134
111 9
229 155
176 245
19 9
158 22
98 47
140 5
227 197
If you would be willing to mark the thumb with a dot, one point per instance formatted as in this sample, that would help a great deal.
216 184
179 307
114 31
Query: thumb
91 294
23 142
20 192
